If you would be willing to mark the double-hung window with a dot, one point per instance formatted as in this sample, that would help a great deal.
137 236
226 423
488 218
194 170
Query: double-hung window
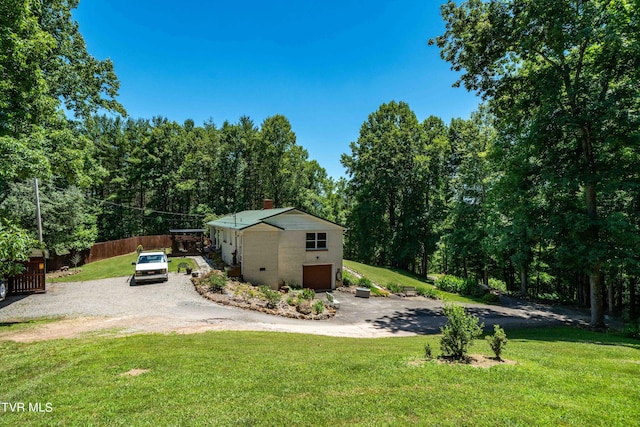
316 241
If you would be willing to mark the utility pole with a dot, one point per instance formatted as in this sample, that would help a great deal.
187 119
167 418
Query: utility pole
35 184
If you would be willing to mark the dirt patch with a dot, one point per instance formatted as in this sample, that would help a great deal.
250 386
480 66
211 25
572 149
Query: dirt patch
134 372
246 296
475 360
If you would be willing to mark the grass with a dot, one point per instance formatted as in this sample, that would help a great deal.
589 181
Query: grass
562 377
119 266
384 275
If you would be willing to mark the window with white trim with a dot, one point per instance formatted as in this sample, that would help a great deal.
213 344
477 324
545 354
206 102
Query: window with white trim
316 241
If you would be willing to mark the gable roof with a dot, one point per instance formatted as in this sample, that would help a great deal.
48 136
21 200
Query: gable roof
246 219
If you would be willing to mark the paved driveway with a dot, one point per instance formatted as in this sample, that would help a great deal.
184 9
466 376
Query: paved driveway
113 306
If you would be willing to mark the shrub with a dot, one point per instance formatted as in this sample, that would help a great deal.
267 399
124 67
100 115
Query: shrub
308 294
139 249
449 283
294 285
497 284
363 282
318 307
427 352
348 279
395 288
290 301
272 297
216 281
427 292
470 287
632 330
497 341
459 332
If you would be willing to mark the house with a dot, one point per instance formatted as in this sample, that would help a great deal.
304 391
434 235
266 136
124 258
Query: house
281 246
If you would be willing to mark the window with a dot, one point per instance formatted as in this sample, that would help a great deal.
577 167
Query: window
316 241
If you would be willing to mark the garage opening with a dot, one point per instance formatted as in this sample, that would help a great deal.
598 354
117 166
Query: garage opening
317 277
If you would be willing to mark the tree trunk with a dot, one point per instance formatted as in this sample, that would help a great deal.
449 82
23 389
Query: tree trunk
524 280
611 295
633 311
595 288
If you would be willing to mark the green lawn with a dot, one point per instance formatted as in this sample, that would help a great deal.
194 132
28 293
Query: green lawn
118 266
383 275
561 377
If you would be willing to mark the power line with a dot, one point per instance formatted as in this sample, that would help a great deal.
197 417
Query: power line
144 210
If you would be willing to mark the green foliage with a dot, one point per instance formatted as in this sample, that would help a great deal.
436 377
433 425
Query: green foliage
560 79
427 292
449 283
308 294
459 332
15 246
318 307
394 167
427 352
394 287
497 284
216 281
348 279
364 282
139 249
497 341
272 297
632 330
294 285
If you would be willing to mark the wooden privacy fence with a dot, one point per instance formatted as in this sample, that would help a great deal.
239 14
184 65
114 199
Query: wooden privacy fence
110 249
113 248
31 280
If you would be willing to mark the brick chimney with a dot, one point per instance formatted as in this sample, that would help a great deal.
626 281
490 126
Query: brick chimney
267 204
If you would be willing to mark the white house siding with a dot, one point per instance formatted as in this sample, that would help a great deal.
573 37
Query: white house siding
227 244
260 255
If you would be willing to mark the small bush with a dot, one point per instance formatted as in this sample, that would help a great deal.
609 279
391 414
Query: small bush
139 249
308 294
632 330
348 279
395 288
497 284
272 297
427 292
216 282
427 352
470 287
291 301
497 341
318 307
294 285
449 283
459 332
363 282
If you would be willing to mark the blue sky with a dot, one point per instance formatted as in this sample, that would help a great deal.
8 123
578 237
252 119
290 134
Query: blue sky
325 65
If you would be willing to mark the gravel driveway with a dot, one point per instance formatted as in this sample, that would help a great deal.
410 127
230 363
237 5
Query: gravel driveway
113 306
